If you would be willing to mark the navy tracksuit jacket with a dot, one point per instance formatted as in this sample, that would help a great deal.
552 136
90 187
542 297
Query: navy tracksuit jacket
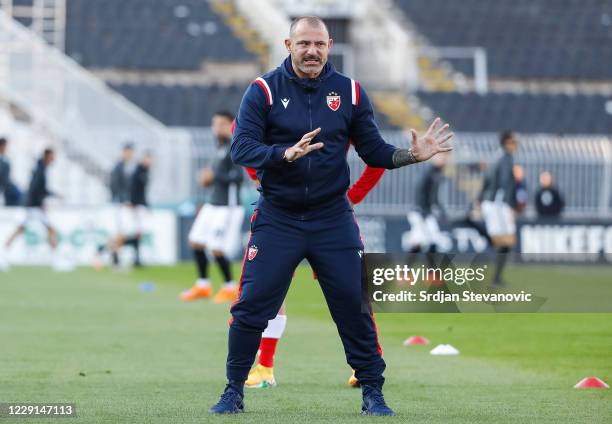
303 211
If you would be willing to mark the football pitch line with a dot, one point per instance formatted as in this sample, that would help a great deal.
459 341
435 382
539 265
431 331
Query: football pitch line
127 355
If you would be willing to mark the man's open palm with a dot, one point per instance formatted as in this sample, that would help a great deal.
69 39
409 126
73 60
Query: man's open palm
434 141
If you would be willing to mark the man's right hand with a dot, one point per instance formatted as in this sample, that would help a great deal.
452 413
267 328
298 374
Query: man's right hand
303 147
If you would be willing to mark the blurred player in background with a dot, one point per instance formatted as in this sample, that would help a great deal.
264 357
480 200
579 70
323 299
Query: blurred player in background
35 201
262 375
132 216
121 175
9 193
499 202
474 217
138 201
5 180
5 170
120 181
549 202
424 226
217 226
521 195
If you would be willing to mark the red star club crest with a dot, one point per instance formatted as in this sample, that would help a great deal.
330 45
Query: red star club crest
333 101
252 252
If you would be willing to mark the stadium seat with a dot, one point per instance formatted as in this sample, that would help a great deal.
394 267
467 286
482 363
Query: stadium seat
525 39
140 34
192 106
558 114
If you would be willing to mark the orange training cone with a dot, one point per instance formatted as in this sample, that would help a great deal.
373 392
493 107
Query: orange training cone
416 340
591 383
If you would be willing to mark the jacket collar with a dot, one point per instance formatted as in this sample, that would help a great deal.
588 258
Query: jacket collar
307 83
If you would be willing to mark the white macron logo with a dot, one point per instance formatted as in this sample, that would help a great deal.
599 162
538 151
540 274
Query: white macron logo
285 102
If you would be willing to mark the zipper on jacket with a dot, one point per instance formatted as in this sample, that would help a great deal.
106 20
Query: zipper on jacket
308 158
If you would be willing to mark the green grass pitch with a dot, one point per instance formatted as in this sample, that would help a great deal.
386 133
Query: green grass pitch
128 356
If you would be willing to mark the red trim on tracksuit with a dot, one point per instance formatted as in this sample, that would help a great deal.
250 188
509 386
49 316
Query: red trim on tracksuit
244 258
376 330
266 90
252 173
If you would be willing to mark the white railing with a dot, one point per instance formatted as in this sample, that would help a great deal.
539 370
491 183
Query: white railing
581 167
88 120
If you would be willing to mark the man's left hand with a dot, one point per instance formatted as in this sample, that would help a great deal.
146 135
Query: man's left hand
434 141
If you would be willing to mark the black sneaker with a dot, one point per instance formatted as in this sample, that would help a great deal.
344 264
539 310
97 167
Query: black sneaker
229 403
374 402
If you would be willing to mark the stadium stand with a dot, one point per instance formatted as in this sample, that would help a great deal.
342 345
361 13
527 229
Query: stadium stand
176 60
193 106
529 113
185 106
524 39
25 21
151 35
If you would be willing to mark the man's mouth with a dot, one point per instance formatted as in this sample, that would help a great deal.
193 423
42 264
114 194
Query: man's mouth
312 61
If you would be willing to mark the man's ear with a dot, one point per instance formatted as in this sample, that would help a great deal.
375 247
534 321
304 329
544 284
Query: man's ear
330 43
288 44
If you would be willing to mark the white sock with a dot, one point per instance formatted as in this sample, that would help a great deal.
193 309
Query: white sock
230 285
275 327
203 282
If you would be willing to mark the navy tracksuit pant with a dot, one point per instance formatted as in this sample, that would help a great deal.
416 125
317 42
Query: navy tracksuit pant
329 239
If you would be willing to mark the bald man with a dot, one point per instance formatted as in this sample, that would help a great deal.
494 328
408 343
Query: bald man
294 128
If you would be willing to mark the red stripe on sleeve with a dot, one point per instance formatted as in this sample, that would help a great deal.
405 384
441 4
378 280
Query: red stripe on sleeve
244 259
252 173
265 90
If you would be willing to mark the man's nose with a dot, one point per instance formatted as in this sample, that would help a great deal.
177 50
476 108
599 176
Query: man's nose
312 50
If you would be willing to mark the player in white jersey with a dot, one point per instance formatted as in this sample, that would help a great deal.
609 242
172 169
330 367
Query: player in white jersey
217 227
